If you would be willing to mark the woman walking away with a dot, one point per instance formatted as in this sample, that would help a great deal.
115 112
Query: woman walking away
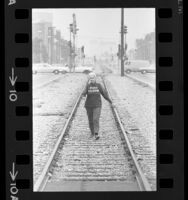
93 103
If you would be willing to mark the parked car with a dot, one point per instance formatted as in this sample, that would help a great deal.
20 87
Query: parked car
47 68
83 69
150 69
135 65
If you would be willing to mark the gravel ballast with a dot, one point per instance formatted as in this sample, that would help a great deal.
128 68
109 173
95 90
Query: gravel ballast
52 105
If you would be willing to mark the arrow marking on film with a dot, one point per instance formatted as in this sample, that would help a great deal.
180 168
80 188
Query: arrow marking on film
12 78
13 174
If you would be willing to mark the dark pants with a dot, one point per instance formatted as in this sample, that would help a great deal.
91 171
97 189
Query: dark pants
93 117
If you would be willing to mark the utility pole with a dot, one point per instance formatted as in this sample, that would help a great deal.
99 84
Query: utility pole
73 30
122 41
74 44
70 53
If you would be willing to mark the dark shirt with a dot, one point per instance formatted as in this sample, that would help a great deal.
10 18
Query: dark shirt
93 92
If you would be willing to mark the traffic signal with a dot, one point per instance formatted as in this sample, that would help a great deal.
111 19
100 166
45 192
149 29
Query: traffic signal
126 46
125 29
125 57
119 51
71 27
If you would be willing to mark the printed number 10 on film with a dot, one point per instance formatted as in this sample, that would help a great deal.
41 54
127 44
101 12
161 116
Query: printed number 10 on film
12 92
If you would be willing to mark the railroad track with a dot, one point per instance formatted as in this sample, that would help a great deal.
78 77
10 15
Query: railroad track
81 163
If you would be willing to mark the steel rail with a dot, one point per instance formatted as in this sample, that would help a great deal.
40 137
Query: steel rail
140 177
45 175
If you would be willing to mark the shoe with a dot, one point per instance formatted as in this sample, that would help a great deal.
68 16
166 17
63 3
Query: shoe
97 136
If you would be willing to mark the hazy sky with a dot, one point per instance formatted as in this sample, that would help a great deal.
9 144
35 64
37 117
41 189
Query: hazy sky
99 28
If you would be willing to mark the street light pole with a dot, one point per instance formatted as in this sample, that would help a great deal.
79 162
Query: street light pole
122 41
